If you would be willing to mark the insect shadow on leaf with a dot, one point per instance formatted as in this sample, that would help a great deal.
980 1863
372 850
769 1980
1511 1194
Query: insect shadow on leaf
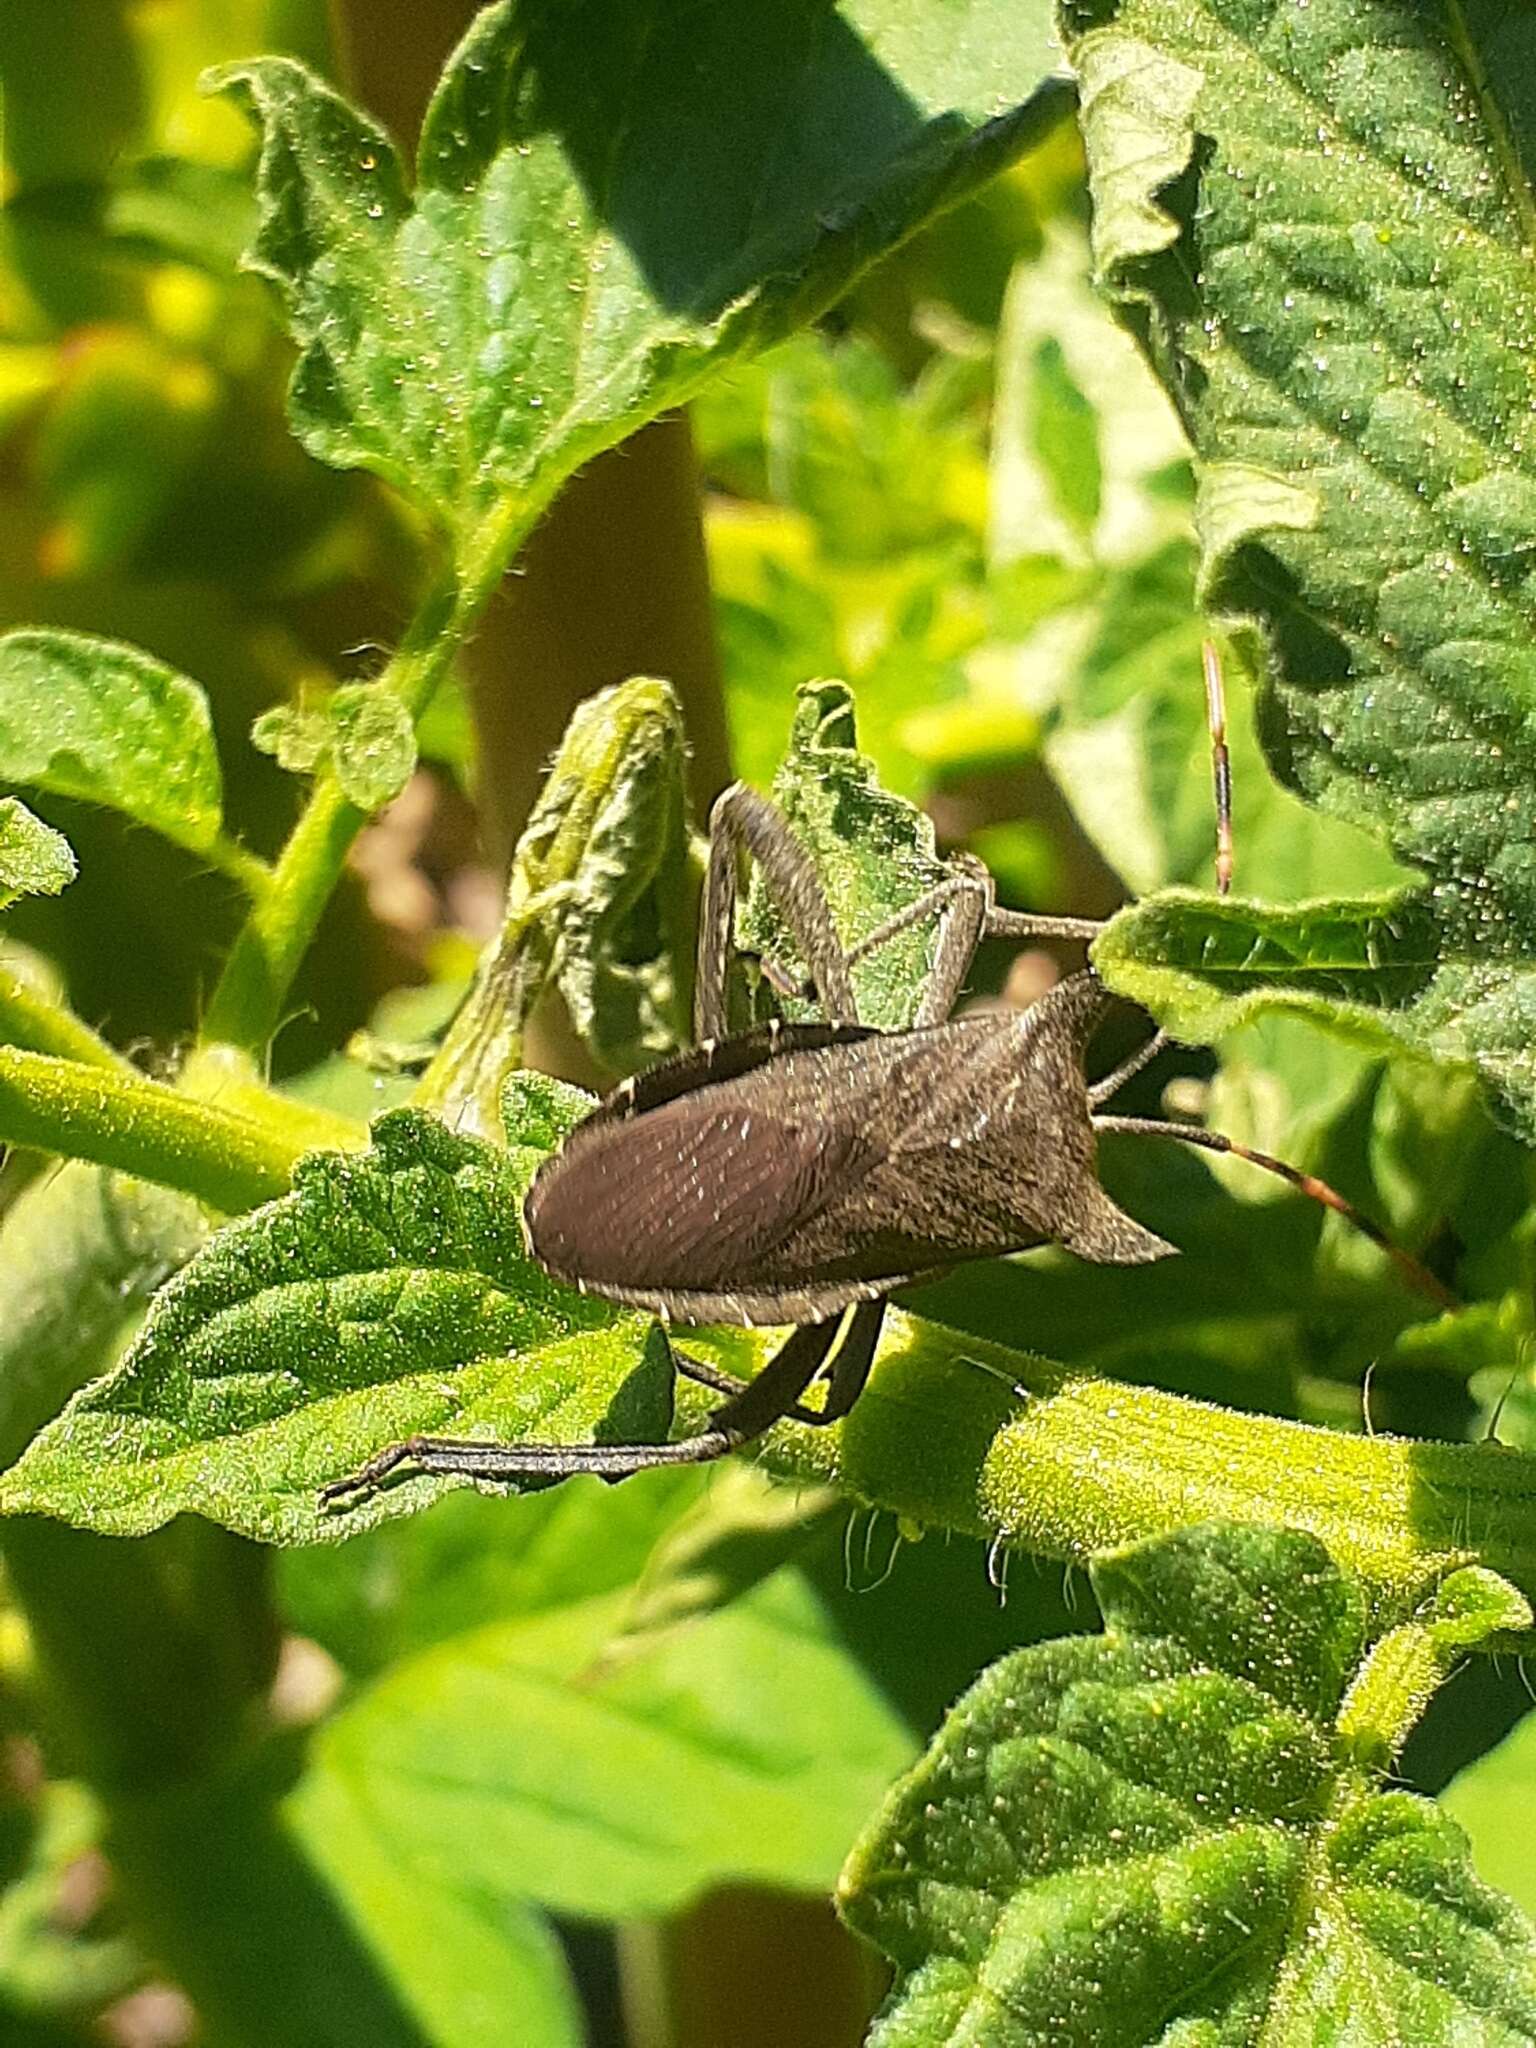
802 1172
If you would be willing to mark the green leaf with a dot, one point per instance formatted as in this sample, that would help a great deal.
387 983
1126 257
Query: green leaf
49 1963
95 719
405 1585
52 135
864 555
363 732
608 204
81 1252
124 448
610 839
1491 1799
459 1952
873 851
297 738
389 1295
1162 1834
34 859
1320 222
1115 662
198 213
737 1533
1052 316
1066 436
1367 969
373 745
745 1747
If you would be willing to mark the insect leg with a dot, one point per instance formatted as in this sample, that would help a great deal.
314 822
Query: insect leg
470 1459
845 1382
1128 1069
964 904
1221 763
720 1382
962 901
761 1403
1221 781
744 822
850 1368
778 1387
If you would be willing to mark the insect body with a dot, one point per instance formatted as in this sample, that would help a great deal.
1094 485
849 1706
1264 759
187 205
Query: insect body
801 1173
789 1173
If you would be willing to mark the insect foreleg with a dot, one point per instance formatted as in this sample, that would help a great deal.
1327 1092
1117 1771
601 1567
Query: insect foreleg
1112 1082
964 904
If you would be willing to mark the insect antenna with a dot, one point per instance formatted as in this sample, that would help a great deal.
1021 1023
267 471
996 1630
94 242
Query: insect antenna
1413 1270
1221 783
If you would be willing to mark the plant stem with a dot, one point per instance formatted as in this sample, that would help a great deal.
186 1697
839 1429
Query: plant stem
613 582
29 1019
1069 1465
229 1161
248 870
246 1006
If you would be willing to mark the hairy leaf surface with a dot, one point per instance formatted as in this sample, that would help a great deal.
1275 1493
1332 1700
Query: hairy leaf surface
1175 1831
364 733
874 852
1320 220
388 1295
609 201
108 723
34 859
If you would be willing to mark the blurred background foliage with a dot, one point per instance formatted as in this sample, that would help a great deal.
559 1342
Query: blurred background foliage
966 495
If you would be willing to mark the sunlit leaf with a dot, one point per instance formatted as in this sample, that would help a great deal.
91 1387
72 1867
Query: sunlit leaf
95 719
1177 1830
874 852
609 203
1318 221
744 1747
364 733
1490 1799
34 859
390 1294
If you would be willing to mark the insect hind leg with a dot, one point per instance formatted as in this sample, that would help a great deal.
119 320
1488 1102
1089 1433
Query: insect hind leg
756 1407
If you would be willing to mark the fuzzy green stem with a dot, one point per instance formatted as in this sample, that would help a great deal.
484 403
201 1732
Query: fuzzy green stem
30 1020
246 1007
1070 1465
121 1120
246 869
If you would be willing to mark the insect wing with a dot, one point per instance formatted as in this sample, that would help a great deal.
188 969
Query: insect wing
686 1197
